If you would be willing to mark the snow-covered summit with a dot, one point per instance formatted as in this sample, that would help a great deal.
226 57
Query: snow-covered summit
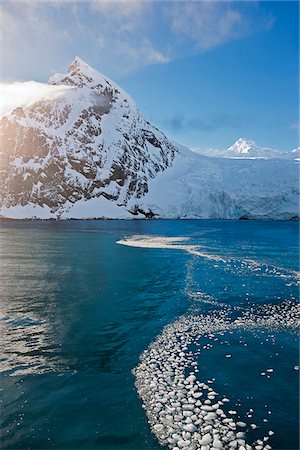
81 69
87 152
80 74
242 146
247 148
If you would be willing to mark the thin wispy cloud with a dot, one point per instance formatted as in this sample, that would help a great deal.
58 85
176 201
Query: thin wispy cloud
126 28
209 24
145 51
119 10
124 35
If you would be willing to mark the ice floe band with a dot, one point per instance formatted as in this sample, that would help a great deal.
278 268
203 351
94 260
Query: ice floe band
183 411
179 243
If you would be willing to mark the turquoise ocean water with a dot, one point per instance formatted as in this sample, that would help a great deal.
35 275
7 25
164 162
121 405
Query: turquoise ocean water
78 309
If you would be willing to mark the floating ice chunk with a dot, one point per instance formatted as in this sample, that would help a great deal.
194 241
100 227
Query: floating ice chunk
241 424
210 416
206 439
217 443
191 378
207 408
182 443
197 394
190 427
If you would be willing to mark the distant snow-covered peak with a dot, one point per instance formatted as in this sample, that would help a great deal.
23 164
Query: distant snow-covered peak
242 146
248 149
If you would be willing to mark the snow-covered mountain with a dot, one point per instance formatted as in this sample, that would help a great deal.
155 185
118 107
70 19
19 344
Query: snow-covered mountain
247 149
87 152
88 142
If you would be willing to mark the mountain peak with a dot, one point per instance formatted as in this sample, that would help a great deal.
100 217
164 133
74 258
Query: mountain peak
245 148
79 61
246 140
80 67
242 145
79 74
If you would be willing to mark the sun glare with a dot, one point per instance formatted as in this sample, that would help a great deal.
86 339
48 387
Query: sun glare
23 94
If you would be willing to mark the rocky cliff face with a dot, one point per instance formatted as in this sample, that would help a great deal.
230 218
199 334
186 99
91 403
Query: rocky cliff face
89 142
88 153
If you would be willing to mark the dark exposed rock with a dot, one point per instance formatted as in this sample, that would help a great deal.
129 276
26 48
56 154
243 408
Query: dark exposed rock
137 210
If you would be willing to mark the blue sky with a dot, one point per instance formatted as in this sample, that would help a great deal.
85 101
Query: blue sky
205 73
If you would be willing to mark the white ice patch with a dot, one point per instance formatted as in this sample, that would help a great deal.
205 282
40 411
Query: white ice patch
183 411
176 243
145 241
172 243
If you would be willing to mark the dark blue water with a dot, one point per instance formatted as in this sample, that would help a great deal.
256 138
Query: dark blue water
77 310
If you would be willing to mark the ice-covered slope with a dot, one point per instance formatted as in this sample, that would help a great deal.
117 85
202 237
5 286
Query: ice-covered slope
88 153
247 149
218 188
